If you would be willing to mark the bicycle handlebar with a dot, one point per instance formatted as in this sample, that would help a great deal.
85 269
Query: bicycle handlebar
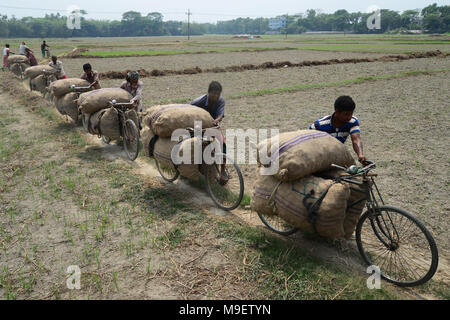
355 170
190 129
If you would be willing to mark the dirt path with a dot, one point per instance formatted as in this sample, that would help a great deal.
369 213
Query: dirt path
103 262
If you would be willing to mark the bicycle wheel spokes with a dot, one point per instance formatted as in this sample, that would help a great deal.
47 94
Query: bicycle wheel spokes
278 225
226 193
399 245
167 170
131 139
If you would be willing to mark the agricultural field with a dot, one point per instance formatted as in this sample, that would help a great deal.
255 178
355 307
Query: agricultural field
67 199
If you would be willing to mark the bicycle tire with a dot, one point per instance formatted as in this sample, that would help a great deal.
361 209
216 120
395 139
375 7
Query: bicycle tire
165 175
130 131
209 180
381 226
272 225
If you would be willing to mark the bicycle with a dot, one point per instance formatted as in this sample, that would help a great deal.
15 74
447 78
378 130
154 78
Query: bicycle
78 91
127 127
226 195
388 237
49 77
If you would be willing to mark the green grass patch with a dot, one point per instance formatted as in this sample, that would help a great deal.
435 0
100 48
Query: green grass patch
112 54
283 271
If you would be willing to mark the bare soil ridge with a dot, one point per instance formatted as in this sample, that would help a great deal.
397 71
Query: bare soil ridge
271 65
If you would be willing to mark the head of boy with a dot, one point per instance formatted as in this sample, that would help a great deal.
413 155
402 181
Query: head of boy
214 92
343 109
54 58
87 68
7 45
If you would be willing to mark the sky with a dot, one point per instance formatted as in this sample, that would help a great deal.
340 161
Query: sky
202 10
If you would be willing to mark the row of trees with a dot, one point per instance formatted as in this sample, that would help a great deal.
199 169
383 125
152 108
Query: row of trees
433 19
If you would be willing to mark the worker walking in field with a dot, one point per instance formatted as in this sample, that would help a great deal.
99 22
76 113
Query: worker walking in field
215 105
90 76
31 58
58 66
22 48
342 124
44 48
133 85
6 53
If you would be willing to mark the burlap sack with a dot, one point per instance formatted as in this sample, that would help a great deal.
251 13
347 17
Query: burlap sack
16 58
304 152
146 136
38 84
69 105
17 68
132 114
57 101
288 203
109 123
162 152
34 71
94 122
61 87
95 100
355 204
165 119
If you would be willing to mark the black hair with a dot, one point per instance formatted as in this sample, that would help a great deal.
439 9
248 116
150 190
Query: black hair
7 45
87 66
215 86
54 58
344 103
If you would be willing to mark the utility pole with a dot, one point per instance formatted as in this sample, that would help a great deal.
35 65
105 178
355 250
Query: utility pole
189 23
287 17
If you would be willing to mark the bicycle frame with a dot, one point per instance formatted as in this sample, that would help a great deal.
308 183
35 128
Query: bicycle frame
372 205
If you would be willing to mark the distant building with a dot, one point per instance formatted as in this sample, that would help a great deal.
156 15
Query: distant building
277 23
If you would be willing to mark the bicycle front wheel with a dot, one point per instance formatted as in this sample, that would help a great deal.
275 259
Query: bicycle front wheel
225 184
131 139
277 225
399 244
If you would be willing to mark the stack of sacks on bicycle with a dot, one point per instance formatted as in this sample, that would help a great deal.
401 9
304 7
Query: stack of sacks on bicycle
101 119
17 63
64 99
34 71
305 157
160 122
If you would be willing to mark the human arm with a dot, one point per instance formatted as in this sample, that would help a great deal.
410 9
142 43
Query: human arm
138 96
220 112
358 147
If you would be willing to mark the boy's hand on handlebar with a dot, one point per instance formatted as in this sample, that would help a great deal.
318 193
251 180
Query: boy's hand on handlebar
363 160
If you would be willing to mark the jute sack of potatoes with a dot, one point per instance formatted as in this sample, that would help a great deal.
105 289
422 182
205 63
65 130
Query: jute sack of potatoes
17 68
163 153
301 153
94 122
109 123
355 204
132 114
167 119
38 84
146 136
34 71
287 203
16 58
95 100
69 106
61 87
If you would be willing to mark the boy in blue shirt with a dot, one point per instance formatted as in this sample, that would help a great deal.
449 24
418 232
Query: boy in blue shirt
342 124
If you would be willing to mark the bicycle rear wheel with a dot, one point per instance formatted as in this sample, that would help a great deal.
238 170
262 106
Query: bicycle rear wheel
399 244
226 195
131 139
167 170
277 225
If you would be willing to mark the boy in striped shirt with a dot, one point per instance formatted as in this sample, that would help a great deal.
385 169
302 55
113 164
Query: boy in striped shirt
342 124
